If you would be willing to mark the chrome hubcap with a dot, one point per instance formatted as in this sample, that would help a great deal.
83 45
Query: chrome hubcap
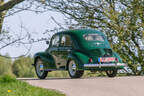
39 67
110 72
72 67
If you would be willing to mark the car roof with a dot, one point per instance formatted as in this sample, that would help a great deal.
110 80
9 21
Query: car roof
77 36
80 32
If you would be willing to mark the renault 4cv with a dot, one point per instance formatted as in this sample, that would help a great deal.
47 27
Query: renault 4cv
76 51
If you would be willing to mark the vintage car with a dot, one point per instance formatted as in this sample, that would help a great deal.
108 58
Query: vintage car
76 51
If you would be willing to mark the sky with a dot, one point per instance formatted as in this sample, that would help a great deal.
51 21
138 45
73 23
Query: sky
36 24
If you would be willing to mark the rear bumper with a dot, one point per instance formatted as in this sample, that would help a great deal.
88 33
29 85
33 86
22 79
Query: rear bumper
104 65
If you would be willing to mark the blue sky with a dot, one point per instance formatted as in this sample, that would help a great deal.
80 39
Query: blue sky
36 24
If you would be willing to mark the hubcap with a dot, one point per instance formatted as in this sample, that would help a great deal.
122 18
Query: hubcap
72 67
110 72
39 67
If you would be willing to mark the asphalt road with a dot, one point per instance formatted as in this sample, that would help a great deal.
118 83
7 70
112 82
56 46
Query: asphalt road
98 86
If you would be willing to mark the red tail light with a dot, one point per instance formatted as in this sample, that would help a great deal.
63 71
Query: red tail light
90 60
116 59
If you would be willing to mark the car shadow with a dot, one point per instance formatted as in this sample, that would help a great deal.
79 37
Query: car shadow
58 78
26 79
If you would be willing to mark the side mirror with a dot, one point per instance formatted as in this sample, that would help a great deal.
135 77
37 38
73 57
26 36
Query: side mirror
47 42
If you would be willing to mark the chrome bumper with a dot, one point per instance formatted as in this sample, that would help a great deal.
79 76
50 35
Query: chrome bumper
105 65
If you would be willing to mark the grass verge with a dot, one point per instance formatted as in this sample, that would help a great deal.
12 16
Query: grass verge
9 86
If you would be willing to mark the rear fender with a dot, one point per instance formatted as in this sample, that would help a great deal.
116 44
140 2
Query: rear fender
47 59
80 59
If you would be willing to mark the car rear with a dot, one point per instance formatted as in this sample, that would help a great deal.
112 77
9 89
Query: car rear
100 53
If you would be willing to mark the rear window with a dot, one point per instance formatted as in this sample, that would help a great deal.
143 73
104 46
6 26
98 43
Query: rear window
93 37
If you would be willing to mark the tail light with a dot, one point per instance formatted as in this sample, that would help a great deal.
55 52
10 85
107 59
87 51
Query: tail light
116 59
90 60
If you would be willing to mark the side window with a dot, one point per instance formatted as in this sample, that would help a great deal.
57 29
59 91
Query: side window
66 41
55 41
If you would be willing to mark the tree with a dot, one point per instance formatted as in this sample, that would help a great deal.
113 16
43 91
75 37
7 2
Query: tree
9 4
10 7
4 6
121 20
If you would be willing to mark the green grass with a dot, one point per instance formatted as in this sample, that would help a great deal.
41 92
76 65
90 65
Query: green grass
20 88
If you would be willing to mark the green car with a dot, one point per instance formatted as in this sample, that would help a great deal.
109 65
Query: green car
76 51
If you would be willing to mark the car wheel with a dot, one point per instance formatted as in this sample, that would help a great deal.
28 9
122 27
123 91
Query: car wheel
111 73
72 70
39 69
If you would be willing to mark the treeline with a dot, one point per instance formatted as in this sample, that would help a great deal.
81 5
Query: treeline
20 67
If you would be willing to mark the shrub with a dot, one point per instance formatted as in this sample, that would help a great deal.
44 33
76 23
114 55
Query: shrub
7 78
22 67
5 66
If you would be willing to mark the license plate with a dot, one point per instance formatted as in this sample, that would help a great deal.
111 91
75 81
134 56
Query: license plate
106 59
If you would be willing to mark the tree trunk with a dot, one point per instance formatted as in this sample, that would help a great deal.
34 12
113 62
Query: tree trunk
4 6
8 5
2 14
1 17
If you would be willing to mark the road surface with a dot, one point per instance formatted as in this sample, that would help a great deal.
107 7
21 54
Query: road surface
96 86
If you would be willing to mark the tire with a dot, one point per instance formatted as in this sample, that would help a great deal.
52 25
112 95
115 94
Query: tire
111 73
39 71
72 70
